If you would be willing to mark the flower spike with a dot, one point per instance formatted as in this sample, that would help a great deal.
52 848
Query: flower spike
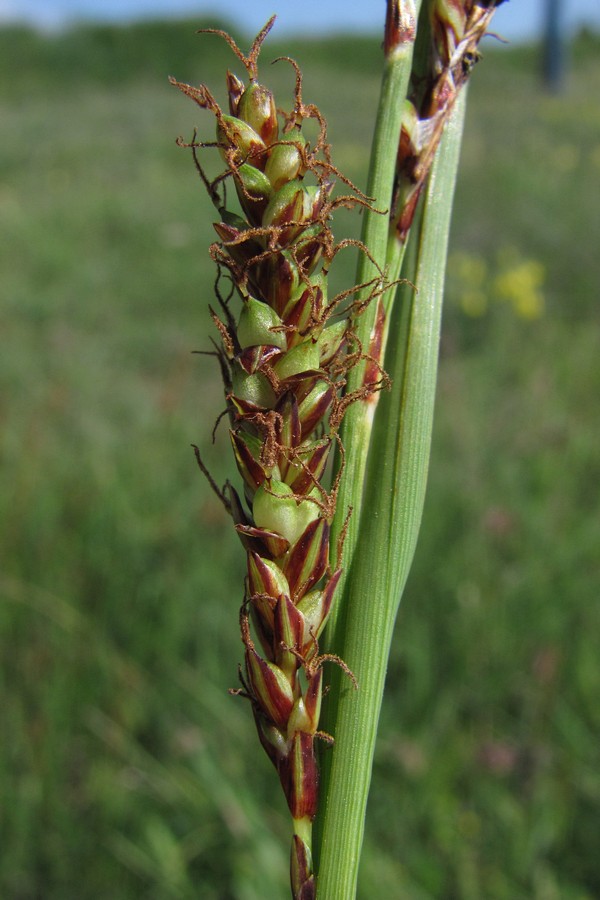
284 358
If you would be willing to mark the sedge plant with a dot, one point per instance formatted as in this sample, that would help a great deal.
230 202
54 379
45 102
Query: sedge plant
330 401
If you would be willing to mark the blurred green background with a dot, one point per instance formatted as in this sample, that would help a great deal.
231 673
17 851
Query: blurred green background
126 770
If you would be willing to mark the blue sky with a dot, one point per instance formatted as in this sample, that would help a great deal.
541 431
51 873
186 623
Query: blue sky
519 19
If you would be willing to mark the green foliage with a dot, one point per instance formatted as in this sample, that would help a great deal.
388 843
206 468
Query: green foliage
125 769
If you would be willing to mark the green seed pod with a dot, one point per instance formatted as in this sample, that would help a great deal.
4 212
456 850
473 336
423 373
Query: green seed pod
265 577
233 133
312 606
232 220
253 359
315 607
254 191
285 160
315 406
294 202
306 306
253 389
305 713
255 182
255 324
302 358
299 720
272 739
257 107
287 205
275 509
330 341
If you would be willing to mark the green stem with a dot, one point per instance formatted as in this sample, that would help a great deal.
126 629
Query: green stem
358 422
395 486
356 428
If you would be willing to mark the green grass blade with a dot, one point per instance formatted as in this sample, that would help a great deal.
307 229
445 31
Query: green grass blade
389 524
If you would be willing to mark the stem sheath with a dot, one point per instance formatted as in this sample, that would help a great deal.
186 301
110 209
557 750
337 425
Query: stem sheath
356 428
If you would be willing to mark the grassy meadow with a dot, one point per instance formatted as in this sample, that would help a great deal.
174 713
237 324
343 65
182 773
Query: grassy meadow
126 770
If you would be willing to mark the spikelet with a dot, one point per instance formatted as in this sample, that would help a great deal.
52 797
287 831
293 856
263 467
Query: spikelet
284 357
456 28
